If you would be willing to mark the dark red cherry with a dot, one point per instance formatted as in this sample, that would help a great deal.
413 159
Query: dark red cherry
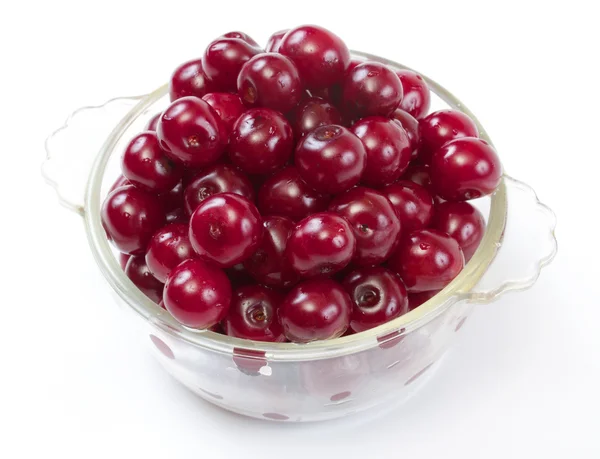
316 309
228 106
191 132
411 126
138 272
417 299
388 149
242 36
223 60
152 122
120 182
172 199
123 259
373 221
270 80
130 217
253 314
261 142
413 204
189 79
225 229
463 222
274 41
378 296
197 294
427 260
238 276
440 127
268 265
321 244
333 93
371 89
417 98
321 57
147 166
286 194
464 169
169 246
312 113
419 174
330 159
177 216
220 178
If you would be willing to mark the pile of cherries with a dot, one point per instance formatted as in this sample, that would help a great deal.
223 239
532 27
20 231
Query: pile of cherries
295 193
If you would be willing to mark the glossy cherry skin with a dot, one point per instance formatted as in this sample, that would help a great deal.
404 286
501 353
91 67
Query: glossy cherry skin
427 260
413 204
373 221
223 60
463 222
440 127
130 217
411 126
139 273
378 296
270 80
417 98
120 182
169 246
330 159
261 141
464 169
177 216
371 89
191 132
312 113
275 40
123 259
388 149
189 79
321 244
146 165
322 57
419 174
152 122
242 36
316 309
228 106
417 299
333 93
225 229
172 199
253 314
286 194
197 294
220 178
268 265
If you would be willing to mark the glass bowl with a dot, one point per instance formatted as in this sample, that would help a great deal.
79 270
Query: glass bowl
285 381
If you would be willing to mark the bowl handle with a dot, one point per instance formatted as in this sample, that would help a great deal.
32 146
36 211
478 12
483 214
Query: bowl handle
527 246
72 148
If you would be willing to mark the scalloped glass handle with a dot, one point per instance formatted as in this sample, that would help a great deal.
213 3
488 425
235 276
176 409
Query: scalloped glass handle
72 148
528 245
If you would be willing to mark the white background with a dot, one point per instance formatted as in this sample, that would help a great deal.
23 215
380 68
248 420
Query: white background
523 379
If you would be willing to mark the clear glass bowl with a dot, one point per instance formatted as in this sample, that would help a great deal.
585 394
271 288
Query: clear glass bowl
319 380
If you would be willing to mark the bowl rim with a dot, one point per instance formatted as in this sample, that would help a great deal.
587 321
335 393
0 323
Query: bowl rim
456 291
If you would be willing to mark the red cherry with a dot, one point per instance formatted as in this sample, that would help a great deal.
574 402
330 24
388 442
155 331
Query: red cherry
286 194
427 260
417 97
238 276
373 221
270 80
172 199
330 159
189 79
123 259
378 296
268 264
197 294
411 126
316 309
130 217
261 142
191 132
152 122
440 127
275 40
463 222
321 56
168 247
138 272
120 182
223 60
413 204
465 169
177 216
225 229
242 36
312 113
220 178
228 106
419 174
321 244
388 150
253 314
